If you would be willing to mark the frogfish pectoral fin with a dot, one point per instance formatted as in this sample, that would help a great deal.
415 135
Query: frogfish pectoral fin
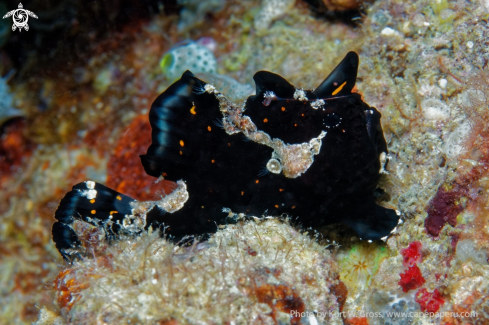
371 221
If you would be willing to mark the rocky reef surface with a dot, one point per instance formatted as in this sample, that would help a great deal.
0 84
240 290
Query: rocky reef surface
423 65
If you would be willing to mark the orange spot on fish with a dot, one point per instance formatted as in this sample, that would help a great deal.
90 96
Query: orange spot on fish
337 90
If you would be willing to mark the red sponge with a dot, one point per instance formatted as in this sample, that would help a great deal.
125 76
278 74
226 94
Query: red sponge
411 254
429 301
411 279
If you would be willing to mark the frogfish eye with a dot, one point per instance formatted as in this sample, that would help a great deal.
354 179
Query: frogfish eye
331 120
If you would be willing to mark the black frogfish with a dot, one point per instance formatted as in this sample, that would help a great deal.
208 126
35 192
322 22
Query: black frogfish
313 154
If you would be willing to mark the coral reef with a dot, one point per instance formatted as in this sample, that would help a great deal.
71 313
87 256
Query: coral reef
391 308
6 102
5 26
429 301
360 264
271 10
86 74
194 12
445 207
231 88
412 254
262 271
124 171
335 5
411 279
14 148
188 56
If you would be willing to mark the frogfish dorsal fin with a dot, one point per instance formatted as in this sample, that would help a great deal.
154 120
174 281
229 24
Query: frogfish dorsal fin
268 81
342 80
